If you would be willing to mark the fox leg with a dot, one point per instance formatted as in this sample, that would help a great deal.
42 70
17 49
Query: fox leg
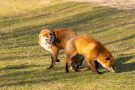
67 60
97 64
81 59
70 62
54 56
75 66
93 66
76 62
70 52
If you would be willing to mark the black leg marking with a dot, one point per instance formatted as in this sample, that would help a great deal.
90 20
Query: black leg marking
58 60
97 64
77 61
66 68
52 63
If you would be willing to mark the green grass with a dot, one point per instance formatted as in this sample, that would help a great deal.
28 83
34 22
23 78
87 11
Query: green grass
23 62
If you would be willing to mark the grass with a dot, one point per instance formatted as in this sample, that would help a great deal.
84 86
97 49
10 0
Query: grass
23 62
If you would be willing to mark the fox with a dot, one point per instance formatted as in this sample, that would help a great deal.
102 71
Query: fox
54 41
92 50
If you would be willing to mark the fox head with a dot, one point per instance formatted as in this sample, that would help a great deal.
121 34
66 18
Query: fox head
106 59
47 35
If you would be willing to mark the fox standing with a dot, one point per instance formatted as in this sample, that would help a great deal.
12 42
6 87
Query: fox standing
55 40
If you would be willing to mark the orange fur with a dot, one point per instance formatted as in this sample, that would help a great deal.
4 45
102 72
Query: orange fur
62 35
91 49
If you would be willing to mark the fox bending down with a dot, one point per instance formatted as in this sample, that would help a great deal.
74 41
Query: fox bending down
92 50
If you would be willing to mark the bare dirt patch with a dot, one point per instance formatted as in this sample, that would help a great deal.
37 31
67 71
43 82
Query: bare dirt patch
120 4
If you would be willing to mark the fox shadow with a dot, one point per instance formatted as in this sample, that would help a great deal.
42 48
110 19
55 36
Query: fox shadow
122 66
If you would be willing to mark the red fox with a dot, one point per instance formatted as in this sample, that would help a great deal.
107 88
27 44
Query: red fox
92 50
55 40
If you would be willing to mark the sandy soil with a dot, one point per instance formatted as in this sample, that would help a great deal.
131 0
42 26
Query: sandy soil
120 4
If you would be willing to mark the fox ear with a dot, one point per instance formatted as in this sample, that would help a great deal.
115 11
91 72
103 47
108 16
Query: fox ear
107 58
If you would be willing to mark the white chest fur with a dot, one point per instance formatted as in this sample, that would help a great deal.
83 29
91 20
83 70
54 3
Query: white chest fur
45 45
101 63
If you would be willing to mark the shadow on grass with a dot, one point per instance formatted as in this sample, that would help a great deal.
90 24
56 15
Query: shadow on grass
122 66
35 77
98 20
21 78
11 57
22 66
27 82
46 12
122 39
89 18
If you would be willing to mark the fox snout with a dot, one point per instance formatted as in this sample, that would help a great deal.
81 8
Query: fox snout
111 69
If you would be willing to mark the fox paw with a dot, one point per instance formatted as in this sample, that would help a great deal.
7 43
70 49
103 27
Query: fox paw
58 60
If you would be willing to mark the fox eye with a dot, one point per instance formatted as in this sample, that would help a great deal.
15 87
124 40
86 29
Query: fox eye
107 58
